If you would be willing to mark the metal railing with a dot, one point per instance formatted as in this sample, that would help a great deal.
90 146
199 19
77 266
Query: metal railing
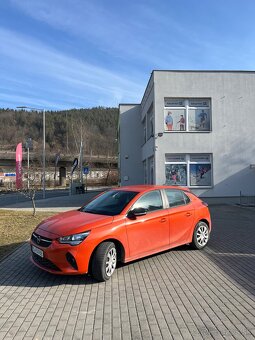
247 200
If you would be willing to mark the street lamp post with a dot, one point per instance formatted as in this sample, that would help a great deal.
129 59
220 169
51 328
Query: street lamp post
43 153
43 111
29 145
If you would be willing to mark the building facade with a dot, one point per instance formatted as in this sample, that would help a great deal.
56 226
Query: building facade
192 128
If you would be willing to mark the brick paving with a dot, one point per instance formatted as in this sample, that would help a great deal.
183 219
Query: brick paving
179 294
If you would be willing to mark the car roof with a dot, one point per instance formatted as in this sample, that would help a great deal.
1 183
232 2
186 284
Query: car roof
146 187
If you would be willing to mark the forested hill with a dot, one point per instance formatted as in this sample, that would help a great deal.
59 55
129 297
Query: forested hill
96 127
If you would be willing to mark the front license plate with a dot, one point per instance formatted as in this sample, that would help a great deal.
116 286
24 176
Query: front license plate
37 251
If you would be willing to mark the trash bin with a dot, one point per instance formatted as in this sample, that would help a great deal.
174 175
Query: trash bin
78 188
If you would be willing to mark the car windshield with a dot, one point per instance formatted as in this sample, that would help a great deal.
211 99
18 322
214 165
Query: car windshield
109 203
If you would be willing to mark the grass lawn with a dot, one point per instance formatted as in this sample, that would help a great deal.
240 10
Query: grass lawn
16 227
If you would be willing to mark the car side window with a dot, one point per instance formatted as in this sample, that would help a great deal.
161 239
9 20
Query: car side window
176 198
187 199
150 201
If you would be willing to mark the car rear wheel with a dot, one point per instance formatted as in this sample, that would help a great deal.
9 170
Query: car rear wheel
104 261
201 235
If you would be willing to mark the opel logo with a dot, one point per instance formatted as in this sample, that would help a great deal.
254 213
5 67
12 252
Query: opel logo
38 240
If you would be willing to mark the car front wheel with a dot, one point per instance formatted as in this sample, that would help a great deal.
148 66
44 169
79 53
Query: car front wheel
201 235
104 261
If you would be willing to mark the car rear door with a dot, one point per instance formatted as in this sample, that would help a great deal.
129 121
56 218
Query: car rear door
149 232
181 217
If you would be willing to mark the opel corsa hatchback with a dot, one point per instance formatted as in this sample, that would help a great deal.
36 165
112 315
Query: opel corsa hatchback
122 224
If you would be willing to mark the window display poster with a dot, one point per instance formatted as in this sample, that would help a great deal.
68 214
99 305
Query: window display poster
175 120
200 174
176 174
199 120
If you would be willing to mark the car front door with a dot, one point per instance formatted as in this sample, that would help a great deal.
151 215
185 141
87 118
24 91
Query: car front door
181 217
149 232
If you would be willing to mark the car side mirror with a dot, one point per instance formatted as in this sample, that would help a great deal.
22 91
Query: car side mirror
132 214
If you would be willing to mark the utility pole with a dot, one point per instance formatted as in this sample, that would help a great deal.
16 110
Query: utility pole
81 161
29 145
44 154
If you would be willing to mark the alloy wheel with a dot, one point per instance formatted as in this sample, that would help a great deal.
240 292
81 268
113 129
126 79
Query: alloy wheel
202 235
111 261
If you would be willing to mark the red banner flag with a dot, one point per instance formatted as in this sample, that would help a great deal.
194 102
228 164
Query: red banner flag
19 166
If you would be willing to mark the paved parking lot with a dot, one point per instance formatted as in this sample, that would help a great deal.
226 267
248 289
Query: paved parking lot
179 294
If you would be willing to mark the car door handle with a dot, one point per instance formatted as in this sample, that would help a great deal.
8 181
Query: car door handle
163 220
188 214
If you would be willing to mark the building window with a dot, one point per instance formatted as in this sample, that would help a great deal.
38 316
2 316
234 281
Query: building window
151 170
193 170
145 171
151 131
144 130
187 114
150 127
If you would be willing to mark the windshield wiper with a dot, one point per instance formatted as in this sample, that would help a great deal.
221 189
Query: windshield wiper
90 211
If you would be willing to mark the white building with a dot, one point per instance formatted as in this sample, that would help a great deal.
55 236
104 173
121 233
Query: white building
192 128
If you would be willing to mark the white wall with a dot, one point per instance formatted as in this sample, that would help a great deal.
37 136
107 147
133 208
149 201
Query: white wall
131 139
231 140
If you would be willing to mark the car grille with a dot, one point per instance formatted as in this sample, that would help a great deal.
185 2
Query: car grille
45 263
41 241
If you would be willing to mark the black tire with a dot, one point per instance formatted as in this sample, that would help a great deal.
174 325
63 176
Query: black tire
104 261
201 235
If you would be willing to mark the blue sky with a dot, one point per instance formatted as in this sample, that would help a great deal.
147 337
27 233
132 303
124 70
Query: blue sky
60 54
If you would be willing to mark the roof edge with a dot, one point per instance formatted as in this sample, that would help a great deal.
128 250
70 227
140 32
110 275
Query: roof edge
127 104
207 71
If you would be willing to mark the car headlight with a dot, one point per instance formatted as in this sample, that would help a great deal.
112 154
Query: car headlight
75 239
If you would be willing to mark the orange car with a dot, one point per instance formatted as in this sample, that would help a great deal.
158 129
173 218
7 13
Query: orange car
121 224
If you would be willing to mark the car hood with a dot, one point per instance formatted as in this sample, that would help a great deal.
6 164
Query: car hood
73 222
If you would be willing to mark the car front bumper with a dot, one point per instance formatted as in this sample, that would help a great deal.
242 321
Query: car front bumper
60 258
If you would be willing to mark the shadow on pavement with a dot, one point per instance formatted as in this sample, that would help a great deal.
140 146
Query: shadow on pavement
232 242
231 249
8 249
17 270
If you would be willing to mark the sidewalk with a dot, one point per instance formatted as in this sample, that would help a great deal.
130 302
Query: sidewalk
58 204
178 294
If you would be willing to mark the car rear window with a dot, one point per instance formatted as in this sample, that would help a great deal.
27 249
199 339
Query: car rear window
176 198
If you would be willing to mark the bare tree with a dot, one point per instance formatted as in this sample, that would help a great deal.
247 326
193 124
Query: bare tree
32 187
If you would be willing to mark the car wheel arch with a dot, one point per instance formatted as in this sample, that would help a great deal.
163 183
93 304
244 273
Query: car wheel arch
119 247
195 223
205 221
204 236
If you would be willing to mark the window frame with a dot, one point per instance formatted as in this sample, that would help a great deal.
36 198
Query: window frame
186 109
188 162
200 162
179 163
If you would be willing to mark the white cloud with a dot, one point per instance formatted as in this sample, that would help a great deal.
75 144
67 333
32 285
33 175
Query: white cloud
120 36
56 69
26 101
136 37
151 34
